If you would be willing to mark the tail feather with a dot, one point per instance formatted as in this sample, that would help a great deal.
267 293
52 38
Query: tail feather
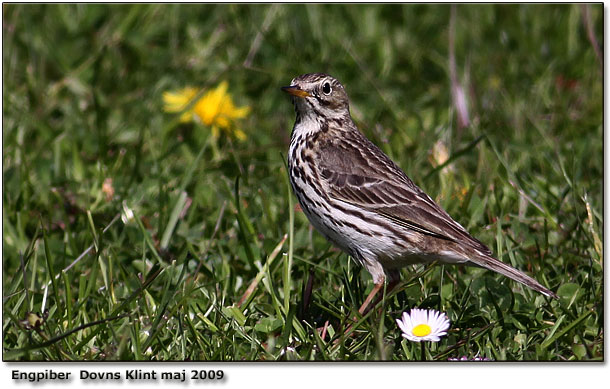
512 273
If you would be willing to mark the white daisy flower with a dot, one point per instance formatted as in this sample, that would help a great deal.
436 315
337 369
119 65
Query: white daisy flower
423 324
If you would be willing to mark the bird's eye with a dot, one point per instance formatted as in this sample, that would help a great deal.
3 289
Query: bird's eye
326 88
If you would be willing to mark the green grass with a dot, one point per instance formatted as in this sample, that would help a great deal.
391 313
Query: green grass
214 218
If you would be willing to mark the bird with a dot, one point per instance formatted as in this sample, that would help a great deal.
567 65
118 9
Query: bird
363 202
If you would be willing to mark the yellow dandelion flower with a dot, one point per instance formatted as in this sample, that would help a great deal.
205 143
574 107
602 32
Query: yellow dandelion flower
215 109
178 101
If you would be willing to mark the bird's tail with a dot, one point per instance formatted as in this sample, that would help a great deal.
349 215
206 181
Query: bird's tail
512 273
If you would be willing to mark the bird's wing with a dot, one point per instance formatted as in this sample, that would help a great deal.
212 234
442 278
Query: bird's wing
367 178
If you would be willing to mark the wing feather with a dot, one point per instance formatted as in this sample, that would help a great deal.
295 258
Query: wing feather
368 179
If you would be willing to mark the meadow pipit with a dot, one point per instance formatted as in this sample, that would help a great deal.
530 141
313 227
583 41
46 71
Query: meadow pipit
361 201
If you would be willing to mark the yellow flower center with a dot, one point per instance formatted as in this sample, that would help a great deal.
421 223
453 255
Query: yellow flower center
422 330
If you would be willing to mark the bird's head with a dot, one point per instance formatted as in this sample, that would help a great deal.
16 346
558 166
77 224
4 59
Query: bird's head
318 94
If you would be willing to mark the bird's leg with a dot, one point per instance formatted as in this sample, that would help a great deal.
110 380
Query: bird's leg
393 279
365 305
370 297
350 328
390 287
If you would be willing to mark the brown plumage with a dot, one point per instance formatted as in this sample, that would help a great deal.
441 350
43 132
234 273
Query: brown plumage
362 201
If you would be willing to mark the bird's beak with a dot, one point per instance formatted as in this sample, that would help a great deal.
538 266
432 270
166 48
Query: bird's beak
295 91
